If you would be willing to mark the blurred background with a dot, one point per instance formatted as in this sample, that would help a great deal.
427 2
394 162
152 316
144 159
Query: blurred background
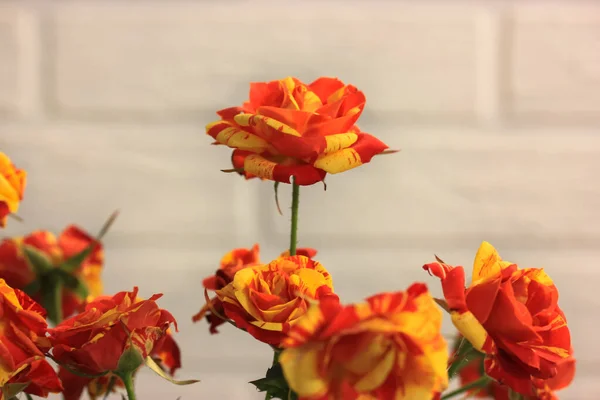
495 107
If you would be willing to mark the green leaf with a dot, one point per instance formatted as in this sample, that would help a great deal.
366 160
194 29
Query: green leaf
464 355
274 384
73 263
38 261
73 284
28 396
159 371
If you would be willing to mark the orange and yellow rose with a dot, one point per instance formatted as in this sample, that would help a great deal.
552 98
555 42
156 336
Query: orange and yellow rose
494 390
12 186
512 316
23 345
267 300
19 273
290 129
231 263
92 342
389 347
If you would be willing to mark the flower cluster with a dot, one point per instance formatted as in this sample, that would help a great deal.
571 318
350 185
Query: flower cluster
390 346
105 339
513 340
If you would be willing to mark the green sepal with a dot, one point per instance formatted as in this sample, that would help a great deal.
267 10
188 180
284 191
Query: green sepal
276 187
130 360
73 284
150 363
465 353
73 263
274 384
38 261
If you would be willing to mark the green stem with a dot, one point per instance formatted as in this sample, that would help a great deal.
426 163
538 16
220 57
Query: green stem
58 314
479 383
464 355
127 379
295 208
52 298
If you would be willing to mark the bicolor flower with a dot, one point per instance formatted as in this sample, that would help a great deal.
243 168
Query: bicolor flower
267 300
12 186
511 315
290 129
389 347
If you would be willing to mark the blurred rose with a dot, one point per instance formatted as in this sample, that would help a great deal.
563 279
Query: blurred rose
12 186
23 344
20 273
389 347
474 370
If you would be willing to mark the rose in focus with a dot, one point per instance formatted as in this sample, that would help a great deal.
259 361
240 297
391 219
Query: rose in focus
23 344
231 263
512 316
290 129
267 300
92 342
19 272
389 347
12 186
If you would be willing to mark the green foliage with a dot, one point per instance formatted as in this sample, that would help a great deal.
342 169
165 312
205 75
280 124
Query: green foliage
274 384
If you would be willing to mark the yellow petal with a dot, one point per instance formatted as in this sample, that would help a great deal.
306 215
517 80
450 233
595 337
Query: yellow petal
268 326
239 139
301 370
259 166
487 265
338 161
470 328
373 376
311 280
251 119
339 141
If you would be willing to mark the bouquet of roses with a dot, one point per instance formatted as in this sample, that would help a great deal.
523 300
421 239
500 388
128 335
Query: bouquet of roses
513 341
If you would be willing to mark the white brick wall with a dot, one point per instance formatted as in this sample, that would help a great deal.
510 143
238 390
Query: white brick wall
495 106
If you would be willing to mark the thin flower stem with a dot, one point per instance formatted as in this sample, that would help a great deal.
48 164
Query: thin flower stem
295 208
473 385
58 302
128 382
52 298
